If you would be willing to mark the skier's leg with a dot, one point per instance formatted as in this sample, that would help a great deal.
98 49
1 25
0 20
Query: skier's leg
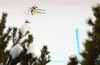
32 12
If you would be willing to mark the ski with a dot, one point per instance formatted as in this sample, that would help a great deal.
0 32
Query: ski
40 12
41 9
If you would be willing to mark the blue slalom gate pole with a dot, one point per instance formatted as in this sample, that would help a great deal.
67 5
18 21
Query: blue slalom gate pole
78 45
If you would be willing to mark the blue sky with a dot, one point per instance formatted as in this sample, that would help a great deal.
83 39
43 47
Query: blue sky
56 28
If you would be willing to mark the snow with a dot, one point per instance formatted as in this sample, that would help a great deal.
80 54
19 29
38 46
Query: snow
46 56
15 40
15 51
34 50
24 28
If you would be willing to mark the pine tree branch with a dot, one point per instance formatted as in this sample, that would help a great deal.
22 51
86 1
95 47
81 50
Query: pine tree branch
2 23
14 33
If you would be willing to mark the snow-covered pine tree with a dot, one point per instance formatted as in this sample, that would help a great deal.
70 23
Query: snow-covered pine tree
17 35
19 50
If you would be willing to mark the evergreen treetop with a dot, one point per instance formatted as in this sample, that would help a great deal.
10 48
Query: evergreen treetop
92 44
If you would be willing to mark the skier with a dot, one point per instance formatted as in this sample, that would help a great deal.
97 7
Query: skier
33 9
